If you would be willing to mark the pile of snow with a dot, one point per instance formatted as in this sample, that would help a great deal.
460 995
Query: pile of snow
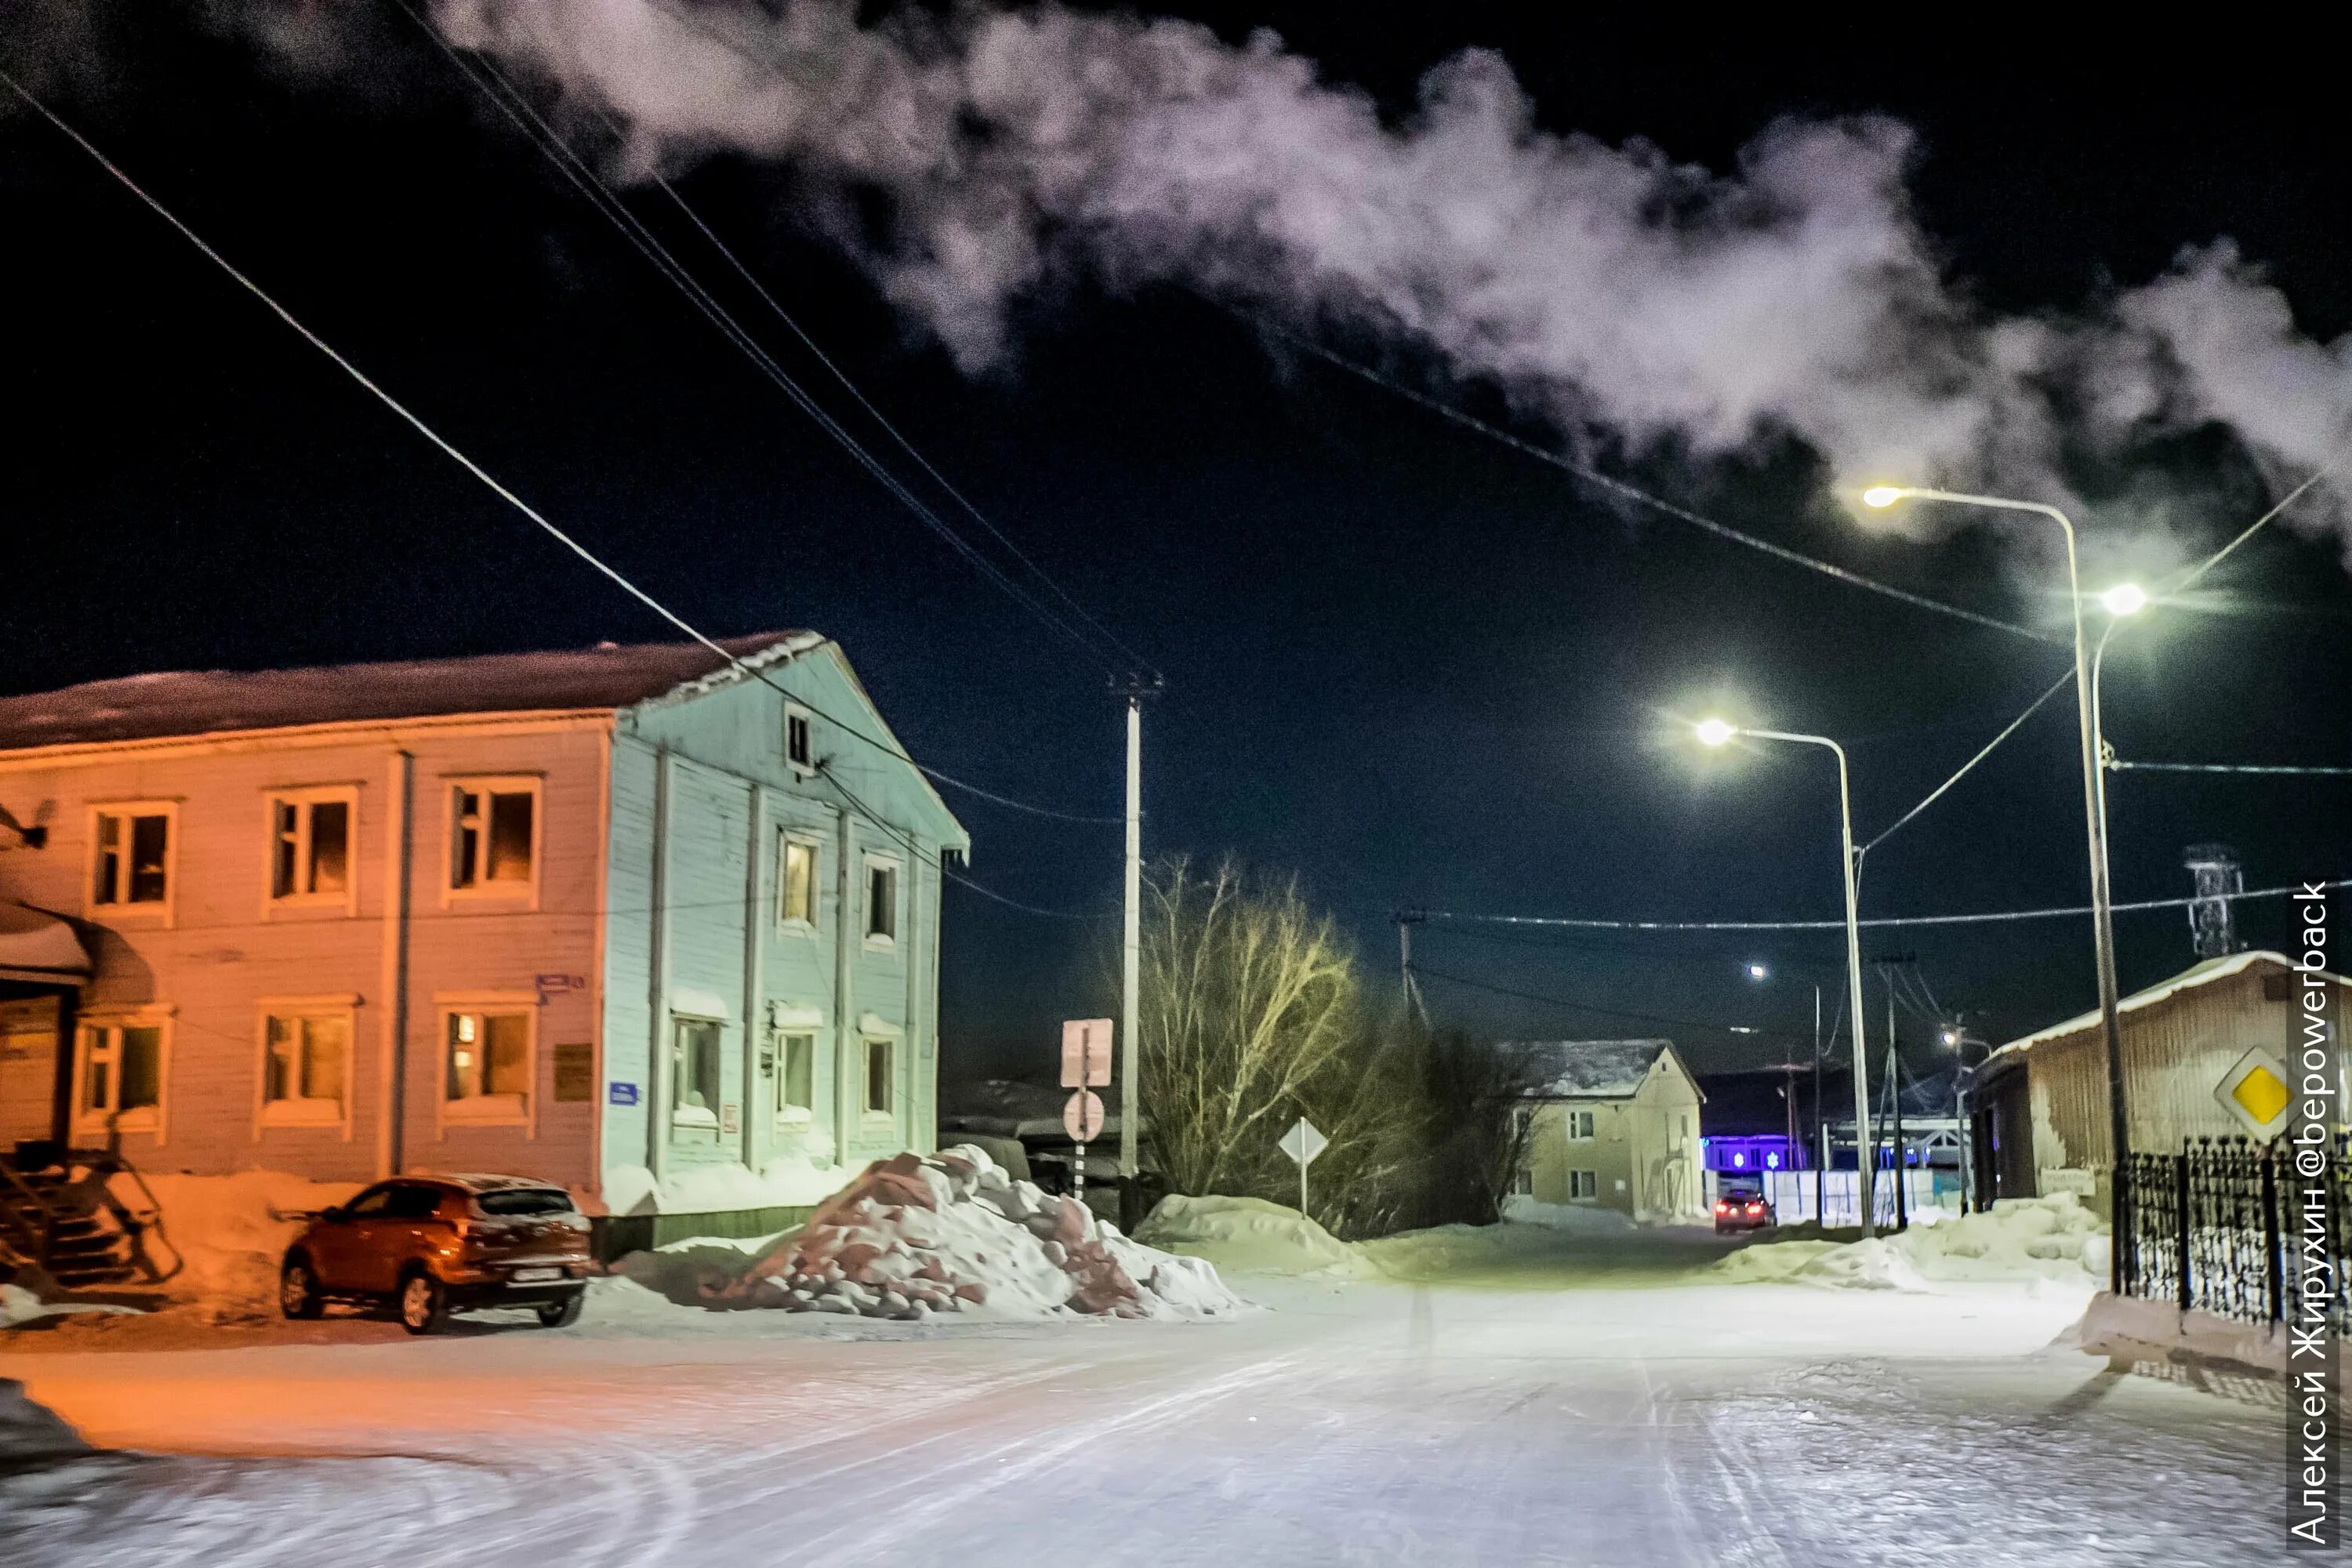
917 1235
789 1181
1578 1219
19 1306
222 1238
1250 1236
31 1432
2053 1241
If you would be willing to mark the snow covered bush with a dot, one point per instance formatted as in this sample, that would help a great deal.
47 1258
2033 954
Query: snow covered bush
919 1235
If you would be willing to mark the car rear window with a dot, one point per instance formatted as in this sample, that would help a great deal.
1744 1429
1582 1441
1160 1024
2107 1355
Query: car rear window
523 1201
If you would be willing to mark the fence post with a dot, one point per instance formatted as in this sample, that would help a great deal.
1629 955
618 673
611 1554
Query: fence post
2271 1253
2181 1217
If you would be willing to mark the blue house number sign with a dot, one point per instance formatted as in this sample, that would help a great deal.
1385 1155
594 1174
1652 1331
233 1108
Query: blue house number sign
625 1094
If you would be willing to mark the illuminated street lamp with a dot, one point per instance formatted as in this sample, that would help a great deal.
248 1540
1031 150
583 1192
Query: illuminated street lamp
2120 601
1718 733
1759 971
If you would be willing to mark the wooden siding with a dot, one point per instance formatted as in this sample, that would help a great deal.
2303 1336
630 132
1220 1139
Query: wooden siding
207 967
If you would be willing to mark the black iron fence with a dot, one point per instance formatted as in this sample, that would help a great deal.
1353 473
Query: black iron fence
2209 1229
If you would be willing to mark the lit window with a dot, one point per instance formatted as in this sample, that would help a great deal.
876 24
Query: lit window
121 1077
1580 1184
306 1069
796 1089
694 1074
796 882
881 901
799 749
310 848
878 1077
132 864
486 1070
491 837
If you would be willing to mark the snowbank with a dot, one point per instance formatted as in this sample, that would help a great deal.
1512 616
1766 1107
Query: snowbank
221 1238
19 1306
917 1235
1250 1236
790 1181
2052 1242
1578 1219
31 1432
2132 1330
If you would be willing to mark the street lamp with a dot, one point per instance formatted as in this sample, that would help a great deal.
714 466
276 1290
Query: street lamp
2122 600
1717 732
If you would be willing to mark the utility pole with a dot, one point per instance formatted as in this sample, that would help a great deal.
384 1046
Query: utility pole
1405 921
1135 688
1886 965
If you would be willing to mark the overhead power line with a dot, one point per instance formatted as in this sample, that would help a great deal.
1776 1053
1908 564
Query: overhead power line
1421 971
2118 764
525 118
1990 917
945 870
1634 493
487 479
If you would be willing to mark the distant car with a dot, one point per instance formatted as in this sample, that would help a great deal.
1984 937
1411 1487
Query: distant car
1743 1209
431 1246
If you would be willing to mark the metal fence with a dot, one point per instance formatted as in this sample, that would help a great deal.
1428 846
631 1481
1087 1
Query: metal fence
2209 1229
1793 1194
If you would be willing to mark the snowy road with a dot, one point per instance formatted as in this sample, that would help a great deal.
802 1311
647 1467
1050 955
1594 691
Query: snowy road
1648 1423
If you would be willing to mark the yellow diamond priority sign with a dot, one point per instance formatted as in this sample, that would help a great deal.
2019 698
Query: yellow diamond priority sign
2255 1091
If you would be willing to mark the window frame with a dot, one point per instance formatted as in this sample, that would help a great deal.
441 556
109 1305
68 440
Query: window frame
797 713
295 1009
524 891
1591 1180
868 1112
305 797
785 1111
485 1005
888 940
678 1023
787 840
157 910
1581 1119
153 1120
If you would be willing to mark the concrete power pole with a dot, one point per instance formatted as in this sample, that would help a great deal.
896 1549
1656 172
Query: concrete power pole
1405 921
1130 1071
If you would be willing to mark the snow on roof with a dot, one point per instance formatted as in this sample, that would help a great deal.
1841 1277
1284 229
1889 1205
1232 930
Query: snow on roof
2203 973
215 701
37 946
1589 1069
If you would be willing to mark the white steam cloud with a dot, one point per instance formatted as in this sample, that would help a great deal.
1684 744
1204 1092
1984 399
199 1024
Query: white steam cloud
1619 294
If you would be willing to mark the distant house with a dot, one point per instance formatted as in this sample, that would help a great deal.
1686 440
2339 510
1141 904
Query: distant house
1613 1123
2038 1107
613 918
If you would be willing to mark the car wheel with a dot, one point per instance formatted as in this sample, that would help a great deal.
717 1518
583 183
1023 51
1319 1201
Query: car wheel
298 1290
423 1305
564 1313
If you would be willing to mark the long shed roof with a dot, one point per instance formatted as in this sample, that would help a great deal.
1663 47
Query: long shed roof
2203 973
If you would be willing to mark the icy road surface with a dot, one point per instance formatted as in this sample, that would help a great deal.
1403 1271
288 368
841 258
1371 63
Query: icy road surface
1641 1419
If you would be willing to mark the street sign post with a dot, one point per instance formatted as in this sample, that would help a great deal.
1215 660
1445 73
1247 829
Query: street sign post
1085 1053
1082 1119
1302 1143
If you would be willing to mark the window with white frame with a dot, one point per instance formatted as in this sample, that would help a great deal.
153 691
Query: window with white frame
1523 1180
306 1067
493 836
130 859
311 847
881 901
800 739
880 1077
796 880
797 1078
694 1073
485 1064
119 1079
1583 1185
1579 1126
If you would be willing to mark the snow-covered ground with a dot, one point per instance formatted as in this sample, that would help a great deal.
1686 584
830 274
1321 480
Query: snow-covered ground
1514 1398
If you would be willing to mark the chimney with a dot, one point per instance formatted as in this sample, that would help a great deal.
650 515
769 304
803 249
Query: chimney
2211 928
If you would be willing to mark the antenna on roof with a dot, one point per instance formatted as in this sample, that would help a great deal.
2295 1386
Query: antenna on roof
2212 927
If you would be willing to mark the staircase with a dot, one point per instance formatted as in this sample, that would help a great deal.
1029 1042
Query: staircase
49 1220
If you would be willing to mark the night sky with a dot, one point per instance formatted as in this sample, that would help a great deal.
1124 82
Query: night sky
1403 662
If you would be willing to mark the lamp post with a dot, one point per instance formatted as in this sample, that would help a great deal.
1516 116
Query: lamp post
1718 733
2103 934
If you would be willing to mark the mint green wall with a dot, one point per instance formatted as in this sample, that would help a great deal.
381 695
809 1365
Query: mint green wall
729 798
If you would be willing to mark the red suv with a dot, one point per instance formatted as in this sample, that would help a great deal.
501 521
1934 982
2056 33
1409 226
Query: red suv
431 1246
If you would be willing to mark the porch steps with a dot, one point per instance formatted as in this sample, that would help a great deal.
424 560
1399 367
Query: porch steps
81 1248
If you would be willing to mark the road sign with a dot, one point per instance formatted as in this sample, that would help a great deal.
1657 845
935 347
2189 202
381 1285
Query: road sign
1085 1053
1302 1143
2255 1091
1082 1118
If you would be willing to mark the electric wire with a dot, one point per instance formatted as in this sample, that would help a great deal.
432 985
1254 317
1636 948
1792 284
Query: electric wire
526 118
2117 765
945 870
483 475
1564 1001
1628 491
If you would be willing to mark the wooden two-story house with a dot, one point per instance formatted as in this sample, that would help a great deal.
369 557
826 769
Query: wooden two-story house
622 918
